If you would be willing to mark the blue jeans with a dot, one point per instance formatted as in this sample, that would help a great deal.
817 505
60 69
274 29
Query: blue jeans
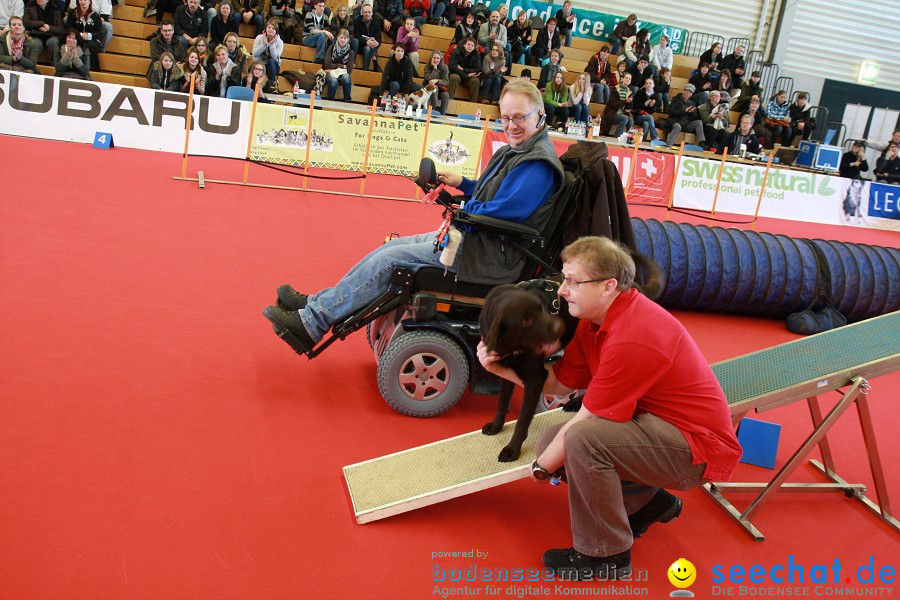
568 41
365 282
332 83
616 44
490 88
579 112
394 88
646 121
623 124
368 54
319 42
272 68
436 10
600 94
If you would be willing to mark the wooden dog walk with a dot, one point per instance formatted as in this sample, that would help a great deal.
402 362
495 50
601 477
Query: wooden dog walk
799 370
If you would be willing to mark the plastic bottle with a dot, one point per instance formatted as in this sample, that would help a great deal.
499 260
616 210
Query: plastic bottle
296 89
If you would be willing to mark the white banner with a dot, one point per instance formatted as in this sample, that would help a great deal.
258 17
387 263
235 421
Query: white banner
789 194
75 110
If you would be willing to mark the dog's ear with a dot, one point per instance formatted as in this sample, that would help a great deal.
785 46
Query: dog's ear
495 333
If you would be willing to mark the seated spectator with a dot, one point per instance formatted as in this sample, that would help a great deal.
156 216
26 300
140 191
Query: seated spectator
9 9
684 116
646 101
391 14
702 82
465 66
734 62
616 78
547 40
801 118
222 24
715 120
438 74
468 27
164 41
459 10
17 50
756 111
367 36
624 30
565 19
417 10
519 36
742 136
44 26
193 67
493 31
663 83
250 12
202 48
713 57
104 9
723 84
887 167
89 25
749 88
600 73
618 110
316 33
854 163
267 47
493 67
640 72
408 36
549 71
222 74
341 19
637 46
285 17
580 97
397 77
661 56
257 76
339 56
883 146
503 9
556 101
165 74
778 122
69 63
191 23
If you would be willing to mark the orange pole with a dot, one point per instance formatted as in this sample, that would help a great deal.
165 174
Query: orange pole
718 185
362 183
250 137
487 120
674 181
638 136
187 128
309 132
763 188
424 144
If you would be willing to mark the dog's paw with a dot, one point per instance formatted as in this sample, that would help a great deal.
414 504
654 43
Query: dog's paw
491 429
572 406
509 454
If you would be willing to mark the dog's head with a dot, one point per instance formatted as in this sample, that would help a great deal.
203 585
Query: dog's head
514 320
429 89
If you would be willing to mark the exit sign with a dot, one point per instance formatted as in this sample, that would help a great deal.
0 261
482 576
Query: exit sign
868 73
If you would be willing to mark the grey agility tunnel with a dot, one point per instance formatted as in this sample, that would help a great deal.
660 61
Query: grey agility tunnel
745 272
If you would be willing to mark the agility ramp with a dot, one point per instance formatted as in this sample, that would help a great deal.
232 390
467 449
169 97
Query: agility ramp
799 370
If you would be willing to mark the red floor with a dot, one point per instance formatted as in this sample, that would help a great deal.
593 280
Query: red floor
158 441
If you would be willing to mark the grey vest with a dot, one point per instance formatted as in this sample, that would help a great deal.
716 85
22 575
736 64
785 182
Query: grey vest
484 258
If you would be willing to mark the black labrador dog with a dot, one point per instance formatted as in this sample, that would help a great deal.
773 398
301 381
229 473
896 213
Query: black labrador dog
516 324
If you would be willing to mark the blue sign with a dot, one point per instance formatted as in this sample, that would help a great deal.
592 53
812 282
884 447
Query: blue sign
884 201
103 140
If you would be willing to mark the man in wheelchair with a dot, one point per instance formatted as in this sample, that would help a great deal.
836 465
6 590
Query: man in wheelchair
515 186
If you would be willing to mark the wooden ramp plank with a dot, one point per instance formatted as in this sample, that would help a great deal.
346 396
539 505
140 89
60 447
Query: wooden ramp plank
418 477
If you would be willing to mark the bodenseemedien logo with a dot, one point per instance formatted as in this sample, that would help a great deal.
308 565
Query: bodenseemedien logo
682 574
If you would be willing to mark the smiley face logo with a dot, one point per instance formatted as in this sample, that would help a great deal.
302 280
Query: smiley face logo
682 573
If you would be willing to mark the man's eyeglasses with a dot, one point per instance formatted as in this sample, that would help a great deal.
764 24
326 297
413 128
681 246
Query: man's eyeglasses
574 285
504 120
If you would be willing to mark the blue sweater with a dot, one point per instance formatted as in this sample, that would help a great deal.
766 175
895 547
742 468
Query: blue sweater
523 190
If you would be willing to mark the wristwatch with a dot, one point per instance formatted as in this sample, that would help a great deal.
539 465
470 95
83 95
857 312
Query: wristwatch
539 472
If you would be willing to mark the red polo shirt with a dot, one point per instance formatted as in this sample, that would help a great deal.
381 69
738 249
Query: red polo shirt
642 360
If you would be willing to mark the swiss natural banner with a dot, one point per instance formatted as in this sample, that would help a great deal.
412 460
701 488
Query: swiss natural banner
595 25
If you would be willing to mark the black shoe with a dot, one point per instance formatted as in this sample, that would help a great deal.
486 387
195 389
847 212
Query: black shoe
571 565
290 299
704 145
662 508
289 327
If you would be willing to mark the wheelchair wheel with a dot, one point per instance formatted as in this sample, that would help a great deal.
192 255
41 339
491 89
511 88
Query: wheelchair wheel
422 373
549 401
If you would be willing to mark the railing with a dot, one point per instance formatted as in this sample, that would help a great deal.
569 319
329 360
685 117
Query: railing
785 83
768 81
699 42
753 61
734 43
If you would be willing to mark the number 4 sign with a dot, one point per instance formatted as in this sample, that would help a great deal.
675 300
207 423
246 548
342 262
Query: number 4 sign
103 140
